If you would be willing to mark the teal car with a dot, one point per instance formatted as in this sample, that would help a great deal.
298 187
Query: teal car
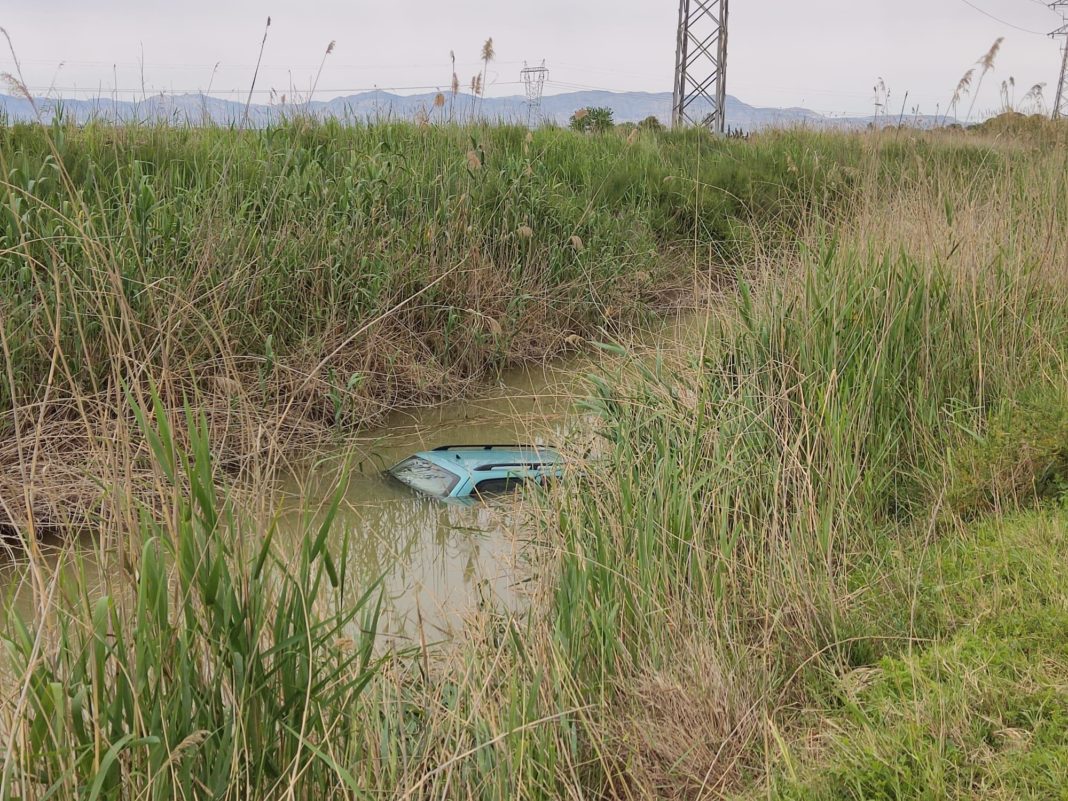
457 472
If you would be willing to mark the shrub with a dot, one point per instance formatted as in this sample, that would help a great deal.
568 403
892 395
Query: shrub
651 123
597 119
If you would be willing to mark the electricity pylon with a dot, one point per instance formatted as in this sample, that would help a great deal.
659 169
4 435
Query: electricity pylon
700 95
1060 105
534 82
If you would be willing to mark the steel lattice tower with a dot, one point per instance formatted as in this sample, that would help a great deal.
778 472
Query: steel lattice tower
534 82
1060 104
700 95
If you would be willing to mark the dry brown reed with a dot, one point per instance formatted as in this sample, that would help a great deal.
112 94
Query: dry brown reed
256 72
986 64
962 88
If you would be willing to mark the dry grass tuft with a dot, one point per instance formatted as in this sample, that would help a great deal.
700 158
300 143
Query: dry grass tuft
687 732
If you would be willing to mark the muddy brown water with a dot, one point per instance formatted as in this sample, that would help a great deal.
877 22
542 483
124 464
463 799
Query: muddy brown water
438 562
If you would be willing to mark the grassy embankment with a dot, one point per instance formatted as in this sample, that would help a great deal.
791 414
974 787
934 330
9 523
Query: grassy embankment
801 571
803 578
304 279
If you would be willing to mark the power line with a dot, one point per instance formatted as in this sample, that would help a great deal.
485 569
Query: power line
216 91
226 65
572 85
1002 21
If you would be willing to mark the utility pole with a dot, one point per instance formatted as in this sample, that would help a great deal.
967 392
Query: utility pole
700 93
533 79
1060 105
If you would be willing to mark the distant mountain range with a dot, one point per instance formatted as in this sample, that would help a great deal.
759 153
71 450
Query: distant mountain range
195 109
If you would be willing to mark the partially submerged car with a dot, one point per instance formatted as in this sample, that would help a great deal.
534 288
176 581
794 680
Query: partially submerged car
457 472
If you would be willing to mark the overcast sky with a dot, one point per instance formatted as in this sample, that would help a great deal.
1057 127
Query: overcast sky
823 54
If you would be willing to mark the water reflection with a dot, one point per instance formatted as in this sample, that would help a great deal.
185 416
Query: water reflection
439 562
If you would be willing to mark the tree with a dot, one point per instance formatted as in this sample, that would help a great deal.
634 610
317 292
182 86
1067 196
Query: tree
592 120
651 123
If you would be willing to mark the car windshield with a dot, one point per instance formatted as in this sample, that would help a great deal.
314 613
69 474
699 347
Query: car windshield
426 476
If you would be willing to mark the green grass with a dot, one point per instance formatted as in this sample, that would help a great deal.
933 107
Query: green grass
981 712
765 498
178 249
218 664
298 282
802 565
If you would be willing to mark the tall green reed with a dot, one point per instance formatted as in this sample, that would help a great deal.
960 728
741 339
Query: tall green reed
225 666
757 474
200 241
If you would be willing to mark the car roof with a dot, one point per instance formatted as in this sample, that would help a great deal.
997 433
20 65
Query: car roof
488 459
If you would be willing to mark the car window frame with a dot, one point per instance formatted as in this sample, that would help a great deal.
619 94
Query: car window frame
512 484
